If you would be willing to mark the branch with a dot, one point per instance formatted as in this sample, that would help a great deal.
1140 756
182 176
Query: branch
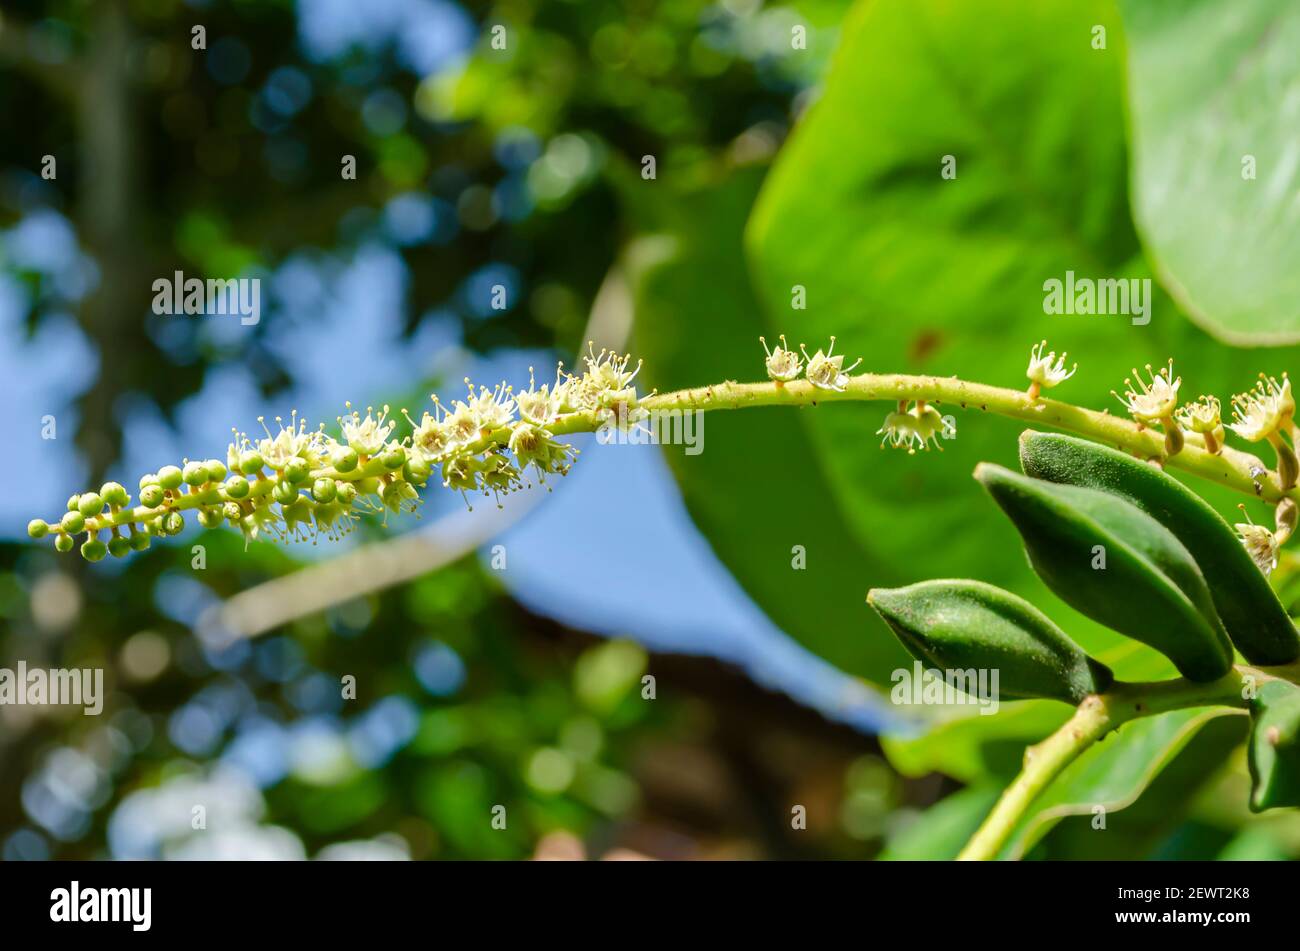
1092 720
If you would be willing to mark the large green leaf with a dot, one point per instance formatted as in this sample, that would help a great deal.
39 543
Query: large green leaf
941 831
1214 89
1113 773
921 274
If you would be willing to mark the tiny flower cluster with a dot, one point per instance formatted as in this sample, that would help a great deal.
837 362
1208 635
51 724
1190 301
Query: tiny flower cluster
299 483
915 428
824 369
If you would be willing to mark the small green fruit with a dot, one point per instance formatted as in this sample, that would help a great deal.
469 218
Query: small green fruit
151 496
169 477
119 546
347 492
173 523
73 522
73 502
394 458
297 470
346 459
285 493
148 479
216 470
237 487
195 473
324 490
90 505
250 462
416 470
37 528
139 541
93 550
63 543
115 494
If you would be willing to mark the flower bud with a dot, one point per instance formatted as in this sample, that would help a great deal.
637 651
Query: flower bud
324 490
210 517
73 522
148 479
250 462
237 487
345 459
63 543
119 546
285 493
73 502
297 469
232 512
151 495
416 470
216 470
173 523
93 549
139 541
114 493
394 457
90 505
37 528
169 477
195 473
347 492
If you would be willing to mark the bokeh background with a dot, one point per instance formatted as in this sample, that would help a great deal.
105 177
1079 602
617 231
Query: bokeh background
481 685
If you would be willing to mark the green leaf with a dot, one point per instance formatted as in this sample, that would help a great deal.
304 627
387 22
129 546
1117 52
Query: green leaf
758 491
1113 773
941 831
1214 87
916 273
1274 751
970 747
968 625
1251 612
1113 562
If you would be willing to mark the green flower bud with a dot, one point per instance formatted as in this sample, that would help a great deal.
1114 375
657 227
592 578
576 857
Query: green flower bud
237 487
148 479
90 505
232 512
346 459
196 473
324 490
73 502
211 517
285 493
347 492
37 528
169 477
93 549
416 470
216 470
63 543
297 470
139 541
151 495
250 462
394 457
173 523
114 493
73 522
119 547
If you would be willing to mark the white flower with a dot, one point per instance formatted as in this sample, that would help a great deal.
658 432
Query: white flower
827 372
429 436
491 409
1047 370
291 441
915 429
1264 410
1260 544
367 435
1202 415
1153 403
783 364
540 406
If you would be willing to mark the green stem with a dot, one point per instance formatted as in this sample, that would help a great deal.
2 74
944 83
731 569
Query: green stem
1092 720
